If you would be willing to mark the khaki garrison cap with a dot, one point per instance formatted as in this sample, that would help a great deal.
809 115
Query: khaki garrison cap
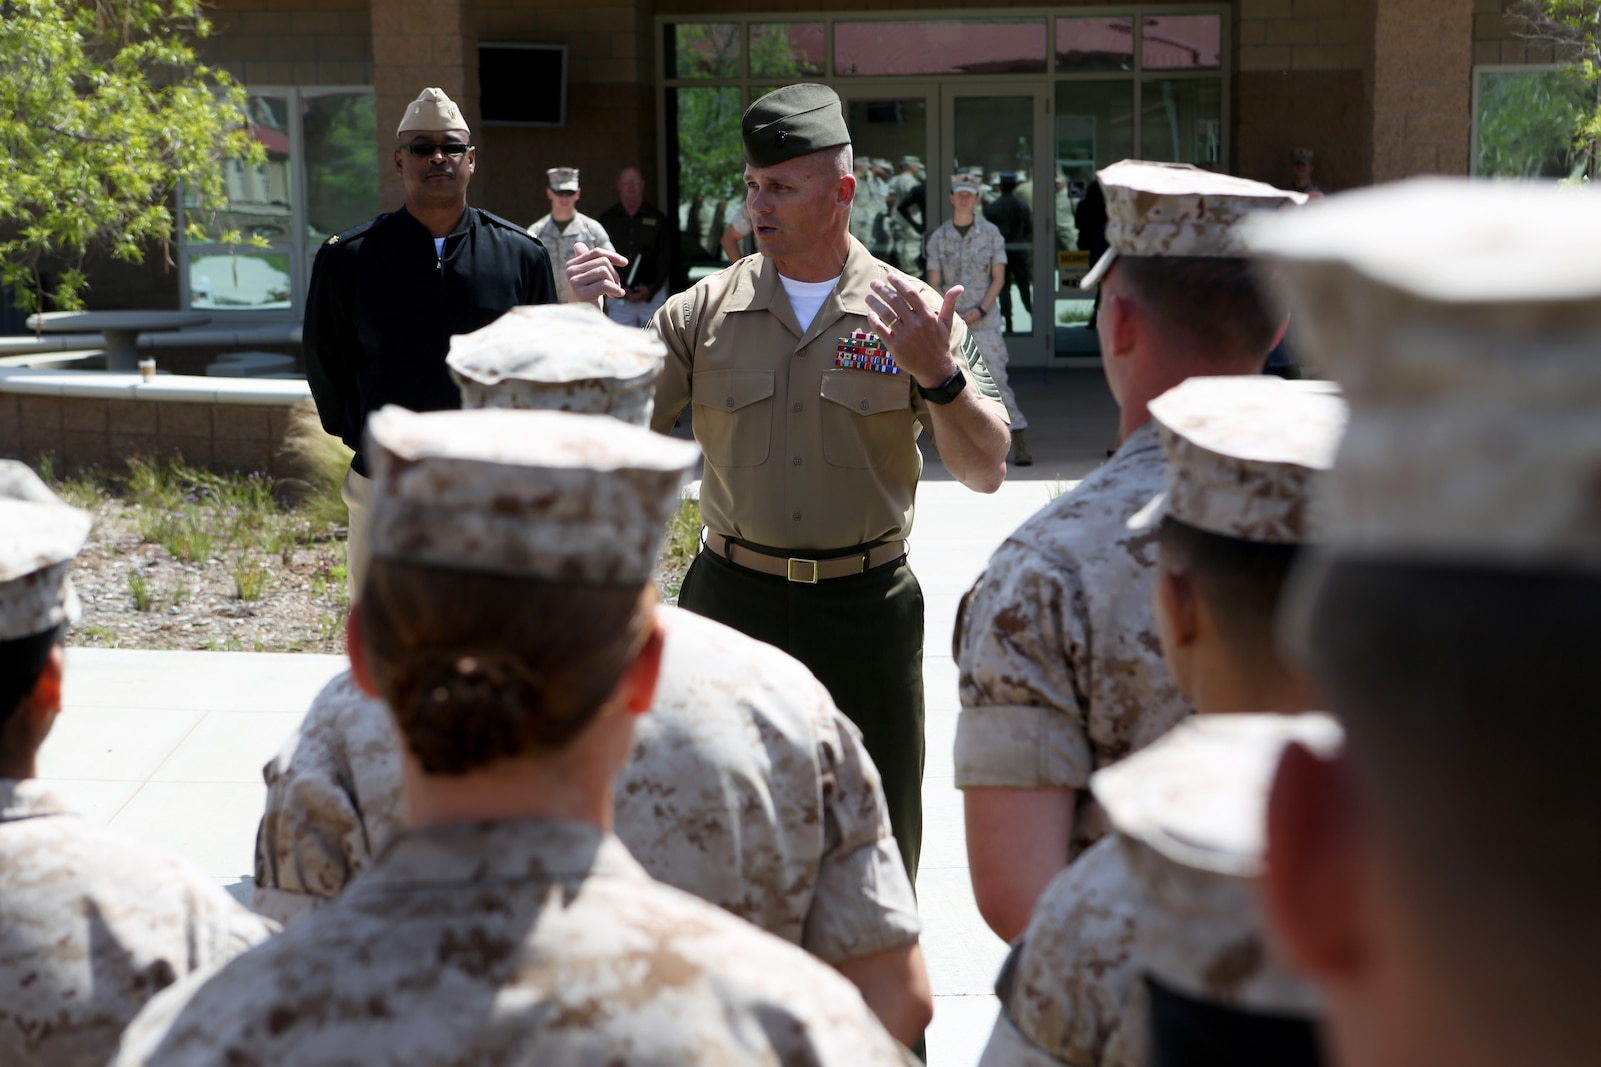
1461 319
968 182
1174 209
432 110
537 494
40 536
1191 813
558 357
563 179
1242 455
794 121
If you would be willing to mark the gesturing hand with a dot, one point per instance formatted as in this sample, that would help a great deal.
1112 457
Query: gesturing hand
916 333
592 273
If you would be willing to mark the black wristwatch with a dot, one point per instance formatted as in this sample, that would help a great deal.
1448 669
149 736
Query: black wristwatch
945 391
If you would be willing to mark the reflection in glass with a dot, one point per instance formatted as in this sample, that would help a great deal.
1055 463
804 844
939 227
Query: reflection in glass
338 131
1525 123
702 49
889 137
995 136
1094 128
1181 42
1094 44
222 280
1182 121
703 127
786 49
258 196
973 46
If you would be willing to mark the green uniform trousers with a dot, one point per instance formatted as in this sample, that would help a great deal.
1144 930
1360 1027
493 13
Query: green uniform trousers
863 638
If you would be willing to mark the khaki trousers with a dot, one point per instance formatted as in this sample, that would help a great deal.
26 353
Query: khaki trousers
357 495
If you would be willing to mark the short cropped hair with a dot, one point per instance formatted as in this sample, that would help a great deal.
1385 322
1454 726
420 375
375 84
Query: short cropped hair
1241 582
1212 306
22 663
1470 703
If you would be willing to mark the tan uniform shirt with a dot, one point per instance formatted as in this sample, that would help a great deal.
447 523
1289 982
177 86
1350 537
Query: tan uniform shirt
559 245
514 943
800 454
745 787
93 925
1061 668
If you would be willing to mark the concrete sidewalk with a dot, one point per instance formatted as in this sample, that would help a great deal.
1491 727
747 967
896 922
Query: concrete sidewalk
169 746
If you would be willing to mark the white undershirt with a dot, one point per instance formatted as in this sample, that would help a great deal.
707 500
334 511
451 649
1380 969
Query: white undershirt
807 297
439 247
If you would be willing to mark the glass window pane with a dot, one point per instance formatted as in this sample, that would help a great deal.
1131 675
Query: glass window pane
1181 42
702 50
1181 121
259 197
338 131
889 137
994 136
1094 128
705 169
1525 122
974 46
1095 44
786 49
243 281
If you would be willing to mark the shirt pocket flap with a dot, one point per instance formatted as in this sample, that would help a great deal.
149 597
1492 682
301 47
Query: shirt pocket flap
867 392
730 390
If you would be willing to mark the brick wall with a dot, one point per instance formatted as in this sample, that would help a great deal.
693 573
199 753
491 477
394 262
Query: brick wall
81 431
1496 40
1422 87
291 42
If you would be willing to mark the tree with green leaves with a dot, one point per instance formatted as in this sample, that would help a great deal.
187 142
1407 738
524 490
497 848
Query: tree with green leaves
104 111
1573 30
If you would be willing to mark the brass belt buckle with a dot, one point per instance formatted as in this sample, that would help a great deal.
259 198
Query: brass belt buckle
812 563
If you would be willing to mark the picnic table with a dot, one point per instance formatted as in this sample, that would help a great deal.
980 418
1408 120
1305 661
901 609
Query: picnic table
121 329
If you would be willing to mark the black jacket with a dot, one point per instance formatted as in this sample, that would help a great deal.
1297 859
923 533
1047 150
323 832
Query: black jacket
383 307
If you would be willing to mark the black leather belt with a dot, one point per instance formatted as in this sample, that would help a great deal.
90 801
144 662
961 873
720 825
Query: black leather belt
805 571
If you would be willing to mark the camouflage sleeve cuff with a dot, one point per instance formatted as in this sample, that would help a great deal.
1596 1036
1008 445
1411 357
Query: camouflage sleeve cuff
1021 747
282 905
863 904
1007 1046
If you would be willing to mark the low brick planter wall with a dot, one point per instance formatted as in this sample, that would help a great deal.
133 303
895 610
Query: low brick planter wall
83 418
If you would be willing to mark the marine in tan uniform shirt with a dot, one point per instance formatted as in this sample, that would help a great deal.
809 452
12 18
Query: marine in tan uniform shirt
1245 455
561 241
92 924
529 935
1060 667
746 786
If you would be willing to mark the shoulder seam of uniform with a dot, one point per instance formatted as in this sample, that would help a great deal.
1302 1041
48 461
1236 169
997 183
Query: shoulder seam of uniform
491 217
359 229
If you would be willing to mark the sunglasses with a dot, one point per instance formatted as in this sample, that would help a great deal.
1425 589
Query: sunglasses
426 151
565 192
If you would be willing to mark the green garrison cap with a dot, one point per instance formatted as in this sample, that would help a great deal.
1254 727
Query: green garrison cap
793 121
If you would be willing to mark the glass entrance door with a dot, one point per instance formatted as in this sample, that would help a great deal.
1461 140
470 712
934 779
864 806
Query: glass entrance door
891 134
994 130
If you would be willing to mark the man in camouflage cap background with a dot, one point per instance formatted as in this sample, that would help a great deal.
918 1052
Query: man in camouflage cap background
564 229
745 786
811 369
508 924
1139 931
387 296
1061 671
1438 877
92 925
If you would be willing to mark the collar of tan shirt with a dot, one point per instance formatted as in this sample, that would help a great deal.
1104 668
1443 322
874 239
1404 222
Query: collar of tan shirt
761 290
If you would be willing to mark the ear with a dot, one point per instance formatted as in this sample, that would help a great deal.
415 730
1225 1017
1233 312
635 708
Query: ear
1278 336
1179 606
639 683
44 703
847 189
1126 323
1310 888
359 669
398 168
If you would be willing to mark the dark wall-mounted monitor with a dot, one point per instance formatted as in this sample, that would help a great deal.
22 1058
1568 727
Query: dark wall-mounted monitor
522 84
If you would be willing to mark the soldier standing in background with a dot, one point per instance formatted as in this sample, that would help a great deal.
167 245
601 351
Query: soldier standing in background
565 226
969 251
644 235
1012 216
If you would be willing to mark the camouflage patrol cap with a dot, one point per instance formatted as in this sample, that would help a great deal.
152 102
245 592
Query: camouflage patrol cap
563 179
1191 812
1174 209
559 357
539 494
965 182
432 110
1243 455
40 536
1461 319
794 121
